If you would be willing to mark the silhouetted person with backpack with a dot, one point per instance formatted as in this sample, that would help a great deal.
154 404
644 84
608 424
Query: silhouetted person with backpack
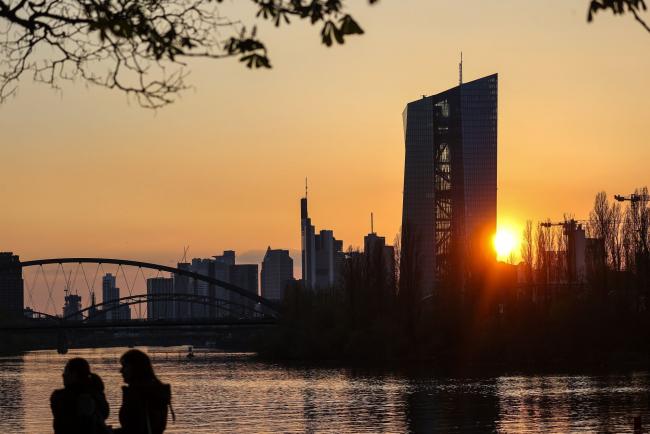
80 407
145 399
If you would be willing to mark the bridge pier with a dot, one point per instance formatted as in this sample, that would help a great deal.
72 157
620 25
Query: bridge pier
62 343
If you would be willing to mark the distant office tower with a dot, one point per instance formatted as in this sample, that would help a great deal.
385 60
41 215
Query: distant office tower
220 267
160 308
11 286
123 312
277 272
182 309
110 297
308 260
329 259
322 254
205 267
222 270
571 260
227 258
94 314
72 307
244 276
376 250
450 190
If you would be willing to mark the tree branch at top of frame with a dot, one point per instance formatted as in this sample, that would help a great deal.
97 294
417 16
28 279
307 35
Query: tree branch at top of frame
140 47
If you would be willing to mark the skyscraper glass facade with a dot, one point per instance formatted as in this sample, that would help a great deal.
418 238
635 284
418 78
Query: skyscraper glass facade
449 208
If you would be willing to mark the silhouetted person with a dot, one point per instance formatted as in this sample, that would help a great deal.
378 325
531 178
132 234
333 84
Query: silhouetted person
80 407
145 399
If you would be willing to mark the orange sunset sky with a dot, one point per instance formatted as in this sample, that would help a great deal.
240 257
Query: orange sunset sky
83 172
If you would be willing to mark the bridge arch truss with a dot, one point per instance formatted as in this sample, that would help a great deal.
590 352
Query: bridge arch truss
251 302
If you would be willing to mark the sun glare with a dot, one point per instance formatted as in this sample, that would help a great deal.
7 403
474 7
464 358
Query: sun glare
504 243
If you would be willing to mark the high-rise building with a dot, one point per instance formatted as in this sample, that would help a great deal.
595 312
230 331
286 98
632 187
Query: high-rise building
160 308
123 312
182 309
375 249
205 267
112 309
244 276
11 286
308 260
277 272
110 297
94 314
220 267
329 259
450 190
72 307
322 254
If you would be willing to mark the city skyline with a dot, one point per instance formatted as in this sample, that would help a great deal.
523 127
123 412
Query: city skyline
324 216
119 171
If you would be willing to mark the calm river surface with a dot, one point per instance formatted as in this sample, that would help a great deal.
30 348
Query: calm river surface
228 392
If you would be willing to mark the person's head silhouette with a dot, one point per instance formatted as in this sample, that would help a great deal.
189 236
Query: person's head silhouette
137 368
76 372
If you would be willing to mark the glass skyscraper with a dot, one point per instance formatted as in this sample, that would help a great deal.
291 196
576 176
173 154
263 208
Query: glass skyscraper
450 184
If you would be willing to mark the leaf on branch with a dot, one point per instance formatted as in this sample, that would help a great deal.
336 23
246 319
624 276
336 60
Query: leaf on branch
330 33
349 26
256 60
267 10
618 7
333 6
280 16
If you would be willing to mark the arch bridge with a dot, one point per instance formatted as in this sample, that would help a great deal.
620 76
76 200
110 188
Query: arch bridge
246 304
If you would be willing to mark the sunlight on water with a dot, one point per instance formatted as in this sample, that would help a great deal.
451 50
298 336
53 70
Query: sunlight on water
230 392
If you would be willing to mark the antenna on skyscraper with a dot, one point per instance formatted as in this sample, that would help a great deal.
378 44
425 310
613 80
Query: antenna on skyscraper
305 187
372 223
460 70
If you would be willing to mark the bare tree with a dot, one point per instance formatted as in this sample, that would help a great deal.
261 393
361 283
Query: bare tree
140 46
527 250
600 222
541 254
640 220
615 244
628 235
556 249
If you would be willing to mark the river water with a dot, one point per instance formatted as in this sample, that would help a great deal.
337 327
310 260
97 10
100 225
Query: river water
219 392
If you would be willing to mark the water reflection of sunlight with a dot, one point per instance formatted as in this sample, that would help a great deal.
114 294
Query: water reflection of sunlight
233 392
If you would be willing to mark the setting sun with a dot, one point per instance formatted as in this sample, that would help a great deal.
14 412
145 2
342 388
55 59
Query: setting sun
504 243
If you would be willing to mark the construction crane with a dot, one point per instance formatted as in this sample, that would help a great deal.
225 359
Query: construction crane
633 198
570 227
184 258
